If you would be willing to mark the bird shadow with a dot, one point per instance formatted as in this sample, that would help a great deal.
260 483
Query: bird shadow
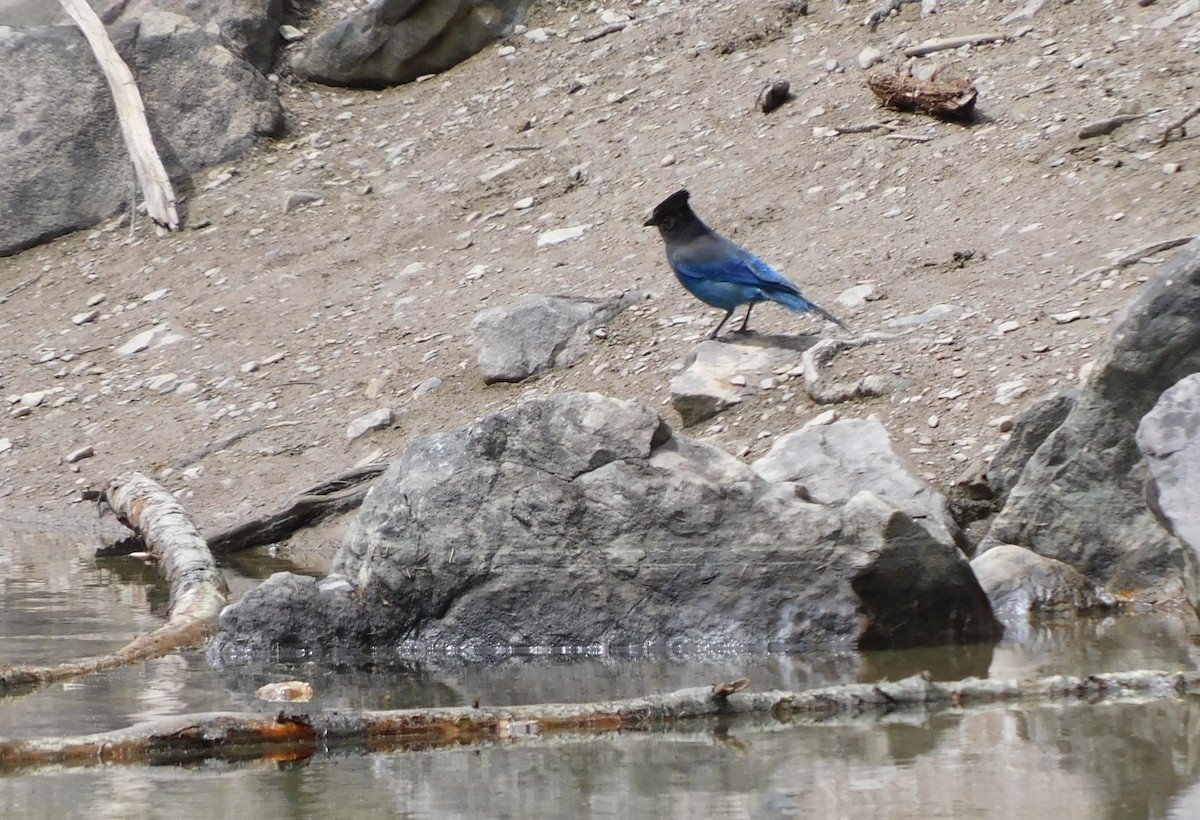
752 338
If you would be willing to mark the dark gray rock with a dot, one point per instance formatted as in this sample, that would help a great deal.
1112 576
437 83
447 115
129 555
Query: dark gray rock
395 41
1169 438
1081 497
534 333
248 28
579 520
1032 427
63 163
1021 584
830 463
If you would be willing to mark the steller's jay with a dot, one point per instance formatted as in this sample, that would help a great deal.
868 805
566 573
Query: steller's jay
718 272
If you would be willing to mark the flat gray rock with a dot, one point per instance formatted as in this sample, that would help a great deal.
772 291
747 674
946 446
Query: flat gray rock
535 333
1169 438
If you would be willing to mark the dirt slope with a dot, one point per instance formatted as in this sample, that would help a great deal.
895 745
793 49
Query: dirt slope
347 305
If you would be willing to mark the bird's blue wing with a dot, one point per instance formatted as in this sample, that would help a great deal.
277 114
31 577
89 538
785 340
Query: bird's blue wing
714 258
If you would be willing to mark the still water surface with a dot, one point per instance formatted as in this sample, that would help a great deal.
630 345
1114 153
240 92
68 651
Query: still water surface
1123 760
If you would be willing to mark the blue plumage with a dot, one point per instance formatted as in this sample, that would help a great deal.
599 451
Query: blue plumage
720 273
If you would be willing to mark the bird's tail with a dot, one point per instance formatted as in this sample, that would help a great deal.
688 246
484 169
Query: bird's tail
796 302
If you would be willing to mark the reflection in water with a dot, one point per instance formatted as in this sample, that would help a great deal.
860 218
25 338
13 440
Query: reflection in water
1112 760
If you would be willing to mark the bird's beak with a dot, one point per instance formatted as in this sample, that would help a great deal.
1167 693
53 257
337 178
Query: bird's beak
649 223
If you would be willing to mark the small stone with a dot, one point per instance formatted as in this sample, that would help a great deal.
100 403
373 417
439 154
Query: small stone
933 421
1008 327
1002 423
156 295
80 454
1066 318
737 380
86 317
858 295
21 411
250 366
523 204
537 35
376 420
5 445
33 399
96 299
290 34
667 160
501 170
504 51
1171 168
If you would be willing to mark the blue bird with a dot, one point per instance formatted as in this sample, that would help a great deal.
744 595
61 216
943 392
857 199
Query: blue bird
720 273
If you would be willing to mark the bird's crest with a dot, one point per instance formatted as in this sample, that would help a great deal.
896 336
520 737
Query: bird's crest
674 204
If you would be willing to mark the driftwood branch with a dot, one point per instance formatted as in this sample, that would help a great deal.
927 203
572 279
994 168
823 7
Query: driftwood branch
148 166
197 591
297 735
932 46
339 494
1134 256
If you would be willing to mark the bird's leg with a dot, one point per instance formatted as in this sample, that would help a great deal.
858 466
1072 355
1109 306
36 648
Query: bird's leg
713 335
746 321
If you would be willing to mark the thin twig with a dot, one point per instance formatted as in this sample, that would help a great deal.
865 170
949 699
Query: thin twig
931 46
1177 125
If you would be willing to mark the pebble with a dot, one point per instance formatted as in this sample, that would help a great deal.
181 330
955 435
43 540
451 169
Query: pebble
933 421
523 204
501 170
1008 327
667 160
537 35
156 295
80 454
737 380
250 366
163 384
858 295
426 387
291 34
1171 168
868 57
33 399
96 299
5 445
1008 392
1066 318
86 317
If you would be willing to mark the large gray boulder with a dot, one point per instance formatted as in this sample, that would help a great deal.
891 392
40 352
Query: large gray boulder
831 463
1081 496
576 520
395 41
248 28
63 163
1169 438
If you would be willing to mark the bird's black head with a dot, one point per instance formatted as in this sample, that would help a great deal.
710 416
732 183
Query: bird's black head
671 212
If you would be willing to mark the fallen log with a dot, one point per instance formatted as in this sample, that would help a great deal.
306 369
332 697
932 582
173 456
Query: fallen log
197 590
298 736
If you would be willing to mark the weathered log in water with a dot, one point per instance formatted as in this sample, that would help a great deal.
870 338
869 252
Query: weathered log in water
197 590
297 736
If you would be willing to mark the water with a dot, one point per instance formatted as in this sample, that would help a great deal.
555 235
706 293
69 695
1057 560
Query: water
1109 760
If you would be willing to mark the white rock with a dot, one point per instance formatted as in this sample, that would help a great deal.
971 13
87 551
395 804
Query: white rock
1066 318
523 204
96 299
290 34
558 235
164 383
157 336
858 295
156 295
868 57
537 35
376 420
80 454
501 170
827 417
1010 391
1008 327
33 399
933 421
5 445
85 317
250 366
